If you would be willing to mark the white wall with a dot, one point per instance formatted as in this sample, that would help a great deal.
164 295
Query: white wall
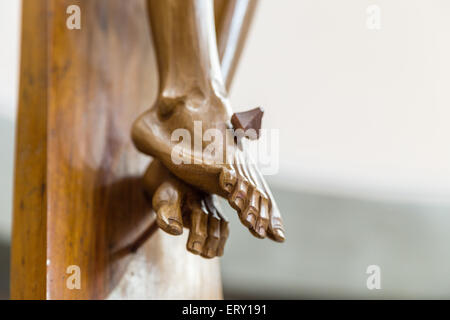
9 58
361 112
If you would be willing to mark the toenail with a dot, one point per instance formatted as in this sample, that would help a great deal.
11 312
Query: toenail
175 227
251 219
239 202
210 253
262 232
280 234
197 247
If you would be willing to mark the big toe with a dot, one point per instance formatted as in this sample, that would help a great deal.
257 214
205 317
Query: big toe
169 219
276 230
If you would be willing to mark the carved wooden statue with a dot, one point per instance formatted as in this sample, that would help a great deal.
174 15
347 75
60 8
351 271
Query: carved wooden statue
193 96
78 201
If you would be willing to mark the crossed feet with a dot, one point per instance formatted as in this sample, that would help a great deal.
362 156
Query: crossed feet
234 178
178 205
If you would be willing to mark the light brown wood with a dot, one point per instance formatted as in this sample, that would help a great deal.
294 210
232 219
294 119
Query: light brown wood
193 100
78 198
28 247
175 203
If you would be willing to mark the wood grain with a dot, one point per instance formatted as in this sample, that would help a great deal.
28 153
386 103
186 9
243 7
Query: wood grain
28 248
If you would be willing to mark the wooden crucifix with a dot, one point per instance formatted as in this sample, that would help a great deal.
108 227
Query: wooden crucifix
82 225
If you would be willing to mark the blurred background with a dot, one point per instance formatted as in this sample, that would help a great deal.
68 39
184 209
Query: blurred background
359 92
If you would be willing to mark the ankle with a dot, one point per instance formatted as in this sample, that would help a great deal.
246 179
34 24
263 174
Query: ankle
171 98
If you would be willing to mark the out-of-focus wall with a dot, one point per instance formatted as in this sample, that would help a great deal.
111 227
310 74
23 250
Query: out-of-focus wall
9 56
360 111
9 64
364 158
332 240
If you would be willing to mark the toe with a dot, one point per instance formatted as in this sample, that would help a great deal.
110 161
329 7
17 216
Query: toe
167 204
227 180
199 226
276 227
278 235
224 233
214 227
250 215
167 219
238 198
256 216
263 221
213 206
